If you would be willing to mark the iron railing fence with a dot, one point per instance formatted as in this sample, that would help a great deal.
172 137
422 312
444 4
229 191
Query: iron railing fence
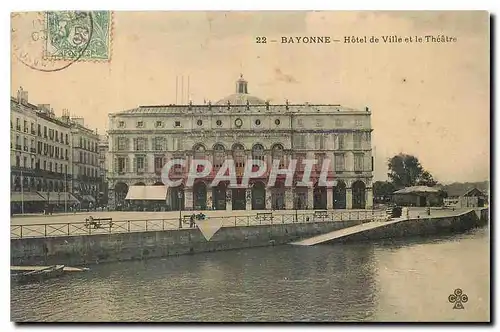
146 225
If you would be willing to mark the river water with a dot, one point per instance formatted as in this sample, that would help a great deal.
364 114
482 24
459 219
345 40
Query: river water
403 280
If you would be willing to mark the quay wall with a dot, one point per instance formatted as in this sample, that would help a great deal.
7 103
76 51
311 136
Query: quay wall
423 227
90 249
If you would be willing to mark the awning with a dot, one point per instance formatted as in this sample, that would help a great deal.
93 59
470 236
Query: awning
147 193
58 197
26 197
88 198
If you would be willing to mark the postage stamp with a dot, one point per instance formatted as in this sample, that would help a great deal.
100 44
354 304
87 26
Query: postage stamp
78 34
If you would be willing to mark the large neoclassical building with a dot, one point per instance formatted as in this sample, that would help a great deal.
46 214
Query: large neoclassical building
241 127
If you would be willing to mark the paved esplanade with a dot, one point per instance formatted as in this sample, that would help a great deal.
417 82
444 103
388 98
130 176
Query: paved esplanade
132 215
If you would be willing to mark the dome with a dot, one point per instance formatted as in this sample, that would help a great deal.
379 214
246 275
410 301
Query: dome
241 97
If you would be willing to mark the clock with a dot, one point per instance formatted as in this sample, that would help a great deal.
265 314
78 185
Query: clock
238 123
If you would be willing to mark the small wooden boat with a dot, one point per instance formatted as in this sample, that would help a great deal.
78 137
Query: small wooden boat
35 275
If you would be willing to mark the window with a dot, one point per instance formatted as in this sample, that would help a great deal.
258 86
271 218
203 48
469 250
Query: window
158 165
300 142
39 130
122 143
140 124
219 123
25 126
18 161
45 131
121 165
319 141
357 138
300 157
66 139
50 166
140 144
258 152
44 165
177 124
32 127
18 124
340 140
257 122
25 162
159 145
62 137
139 164
158 124
300 123
277 122
219 155
339 163
121 124
358 162
199 122
277 153
338 122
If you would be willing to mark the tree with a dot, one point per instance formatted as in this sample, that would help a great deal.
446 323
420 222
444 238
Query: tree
383 188
382 191
406 171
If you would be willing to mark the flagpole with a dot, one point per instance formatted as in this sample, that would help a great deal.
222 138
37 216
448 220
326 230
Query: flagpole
22 194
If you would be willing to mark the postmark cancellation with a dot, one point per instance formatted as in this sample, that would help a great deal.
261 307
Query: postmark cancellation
42 39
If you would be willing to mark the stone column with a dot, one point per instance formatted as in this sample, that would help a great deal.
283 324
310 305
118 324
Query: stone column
248 197
310 198
209 198
329 198
188 199
268 199
288 198
369 198
229 201
348 198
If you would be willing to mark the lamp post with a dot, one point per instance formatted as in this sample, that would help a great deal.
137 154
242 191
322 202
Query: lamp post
179 196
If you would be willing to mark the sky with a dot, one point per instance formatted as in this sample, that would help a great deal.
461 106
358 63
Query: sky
431 100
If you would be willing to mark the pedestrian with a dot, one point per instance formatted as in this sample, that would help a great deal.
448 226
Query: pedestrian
191 221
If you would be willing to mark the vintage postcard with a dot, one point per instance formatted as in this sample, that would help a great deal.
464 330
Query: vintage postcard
250 166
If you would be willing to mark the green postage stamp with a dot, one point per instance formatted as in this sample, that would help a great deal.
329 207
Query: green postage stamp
78 35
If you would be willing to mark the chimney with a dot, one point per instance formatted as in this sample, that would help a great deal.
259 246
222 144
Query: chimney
22 96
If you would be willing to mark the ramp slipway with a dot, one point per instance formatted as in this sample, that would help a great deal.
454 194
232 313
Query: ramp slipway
345 232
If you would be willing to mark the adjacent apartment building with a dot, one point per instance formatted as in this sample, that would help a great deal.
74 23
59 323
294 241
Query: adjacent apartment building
44 168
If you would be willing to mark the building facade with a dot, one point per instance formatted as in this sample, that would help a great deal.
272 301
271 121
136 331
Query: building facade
243 127
86 175
40 156
103 149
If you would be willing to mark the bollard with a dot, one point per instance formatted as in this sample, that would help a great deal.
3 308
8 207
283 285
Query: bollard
128 226
21 231
146 225
68 229
248 220
45 228
163 224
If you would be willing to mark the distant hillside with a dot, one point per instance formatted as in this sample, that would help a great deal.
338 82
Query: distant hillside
458 188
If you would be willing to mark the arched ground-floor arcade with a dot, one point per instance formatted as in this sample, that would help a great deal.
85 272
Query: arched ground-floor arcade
346 194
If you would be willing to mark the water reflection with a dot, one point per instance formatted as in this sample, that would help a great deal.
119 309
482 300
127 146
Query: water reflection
349 282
